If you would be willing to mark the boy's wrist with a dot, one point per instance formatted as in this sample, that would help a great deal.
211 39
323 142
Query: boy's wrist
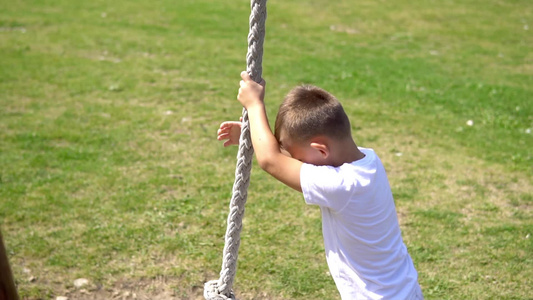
254 104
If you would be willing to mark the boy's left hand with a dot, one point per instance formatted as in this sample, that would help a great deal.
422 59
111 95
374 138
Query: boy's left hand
250 92
229 131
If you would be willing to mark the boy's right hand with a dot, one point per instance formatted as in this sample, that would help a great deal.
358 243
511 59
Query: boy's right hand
250 92
229 131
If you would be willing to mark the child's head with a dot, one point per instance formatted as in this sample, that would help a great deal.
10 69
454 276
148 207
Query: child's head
309 118
309 111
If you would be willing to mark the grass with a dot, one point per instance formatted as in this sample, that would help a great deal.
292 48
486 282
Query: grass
111 171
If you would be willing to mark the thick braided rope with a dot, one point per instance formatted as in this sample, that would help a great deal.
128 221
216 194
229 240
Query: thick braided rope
221 289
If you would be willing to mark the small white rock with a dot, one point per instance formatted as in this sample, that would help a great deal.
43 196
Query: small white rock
114 87
470 123
168 112
78 283
399 154
528 130
61 298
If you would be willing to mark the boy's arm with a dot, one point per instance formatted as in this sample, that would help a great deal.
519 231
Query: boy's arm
266 147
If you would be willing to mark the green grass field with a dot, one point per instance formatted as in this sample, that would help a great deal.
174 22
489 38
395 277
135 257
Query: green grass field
110 169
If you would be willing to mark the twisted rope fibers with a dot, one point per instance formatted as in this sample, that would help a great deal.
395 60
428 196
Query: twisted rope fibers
221 289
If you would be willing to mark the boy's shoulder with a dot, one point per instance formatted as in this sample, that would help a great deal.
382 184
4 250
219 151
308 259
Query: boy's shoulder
333 187
337 177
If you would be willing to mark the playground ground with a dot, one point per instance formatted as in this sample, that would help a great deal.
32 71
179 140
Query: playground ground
111 172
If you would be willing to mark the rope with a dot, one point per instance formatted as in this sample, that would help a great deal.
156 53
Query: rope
221 289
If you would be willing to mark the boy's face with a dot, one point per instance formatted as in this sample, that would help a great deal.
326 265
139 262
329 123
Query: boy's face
301 151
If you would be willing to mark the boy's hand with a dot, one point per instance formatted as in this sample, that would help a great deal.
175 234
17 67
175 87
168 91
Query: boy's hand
250 92
229 131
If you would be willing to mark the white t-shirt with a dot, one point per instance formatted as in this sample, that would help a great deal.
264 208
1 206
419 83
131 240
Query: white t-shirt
364 248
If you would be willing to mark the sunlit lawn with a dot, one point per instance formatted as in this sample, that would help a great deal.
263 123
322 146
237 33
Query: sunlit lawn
110 169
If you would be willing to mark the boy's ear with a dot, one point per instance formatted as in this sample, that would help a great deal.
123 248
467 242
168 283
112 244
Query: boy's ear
321 147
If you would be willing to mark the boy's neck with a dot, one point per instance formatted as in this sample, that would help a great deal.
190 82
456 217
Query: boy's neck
345 151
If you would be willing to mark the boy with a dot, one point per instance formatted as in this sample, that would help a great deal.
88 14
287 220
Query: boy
313 152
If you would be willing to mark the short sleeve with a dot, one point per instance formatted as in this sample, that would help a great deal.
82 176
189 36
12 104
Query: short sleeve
324 186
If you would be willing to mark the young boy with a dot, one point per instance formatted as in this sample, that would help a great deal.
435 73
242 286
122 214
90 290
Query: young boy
313 152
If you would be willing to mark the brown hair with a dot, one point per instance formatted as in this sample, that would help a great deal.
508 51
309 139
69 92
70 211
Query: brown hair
309 111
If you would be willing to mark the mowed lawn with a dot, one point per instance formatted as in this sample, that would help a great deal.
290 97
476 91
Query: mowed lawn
110 170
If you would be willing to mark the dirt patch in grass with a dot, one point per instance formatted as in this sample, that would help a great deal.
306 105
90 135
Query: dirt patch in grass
144 289
161 288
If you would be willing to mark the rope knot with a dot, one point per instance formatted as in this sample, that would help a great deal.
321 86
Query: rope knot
211 292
